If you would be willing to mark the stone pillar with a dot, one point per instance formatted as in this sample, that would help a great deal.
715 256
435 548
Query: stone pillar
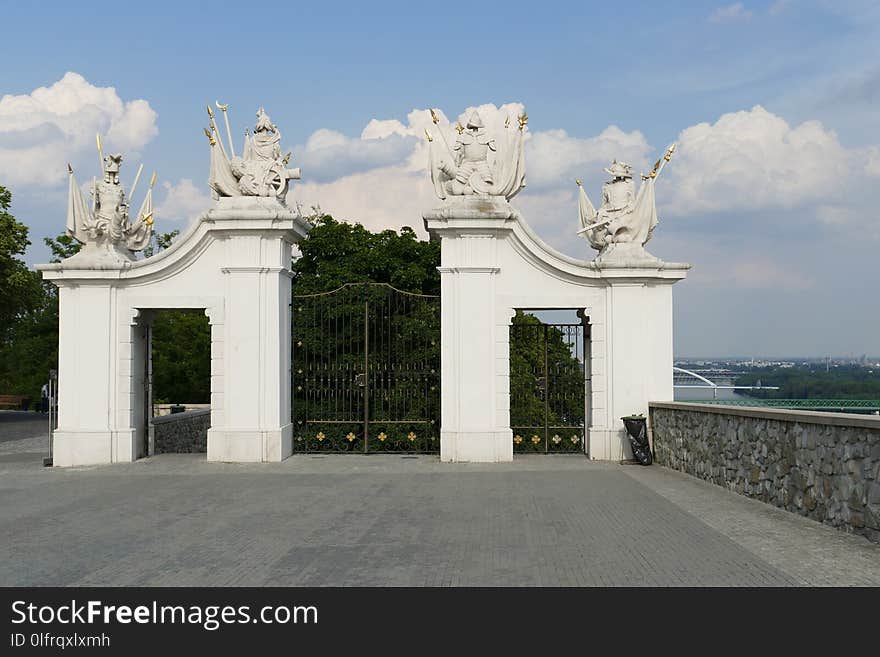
255 424
90 406
471 428
637 344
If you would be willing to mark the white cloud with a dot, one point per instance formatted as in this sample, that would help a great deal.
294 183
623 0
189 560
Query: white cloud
755 160
749 162
778 7
381 178
872 166
759 273
730 13
553 156
40 132
328 155
183 202
387 197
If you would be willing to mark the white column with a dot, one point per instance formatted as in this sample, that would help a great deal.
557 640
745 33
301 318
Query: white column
96 349
639 352
254 424
475 416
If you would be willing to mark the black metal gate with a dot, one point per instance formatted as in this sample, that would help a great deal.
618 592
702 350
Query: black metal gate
366 370
547 386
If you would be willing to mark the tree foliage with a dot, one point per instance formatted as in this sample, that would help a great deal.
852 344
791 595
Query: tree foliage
340 302
813 382
19 287
181 342
336 253
546 385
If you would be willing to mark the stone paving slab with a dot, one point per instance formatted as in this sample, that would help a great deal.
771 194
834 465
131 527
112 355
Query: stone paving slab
15 425
810 552
392 521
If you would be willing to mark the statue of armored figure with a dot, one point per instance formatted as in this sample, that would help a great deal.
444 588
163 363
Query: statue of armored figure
106 227
260 171
466 168
624 217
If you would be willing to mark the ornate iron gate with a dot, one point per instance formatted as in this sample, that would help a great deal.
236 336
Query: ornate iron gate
547 386
366 370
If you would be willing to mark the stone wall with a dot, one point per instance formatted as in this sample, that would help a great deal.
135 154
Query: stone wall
825 466
178 433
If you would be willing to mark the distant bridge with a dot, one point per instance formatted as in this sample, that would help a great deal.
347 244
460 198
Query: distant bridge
689 379
829 405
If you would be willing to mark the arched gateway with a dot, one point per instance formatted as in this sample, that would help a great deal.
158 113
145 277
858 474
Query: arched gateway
234 263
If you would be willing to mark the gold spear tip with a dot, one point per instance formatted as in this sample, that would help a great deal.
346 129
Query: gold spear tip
523 120
577 181
210 111
69 168
209 136
153 180
434 117
459 127
507 122
428 135
148 218
220 107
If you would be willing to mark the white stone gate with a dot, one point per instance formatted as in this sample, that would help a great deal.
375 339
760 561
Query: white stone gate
234 264
492 264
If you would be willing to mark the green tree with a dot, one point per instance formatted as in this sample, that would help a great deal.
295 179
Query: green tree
347 279
546 384
336 253
813 382
19 289
23 304
62 246
181 344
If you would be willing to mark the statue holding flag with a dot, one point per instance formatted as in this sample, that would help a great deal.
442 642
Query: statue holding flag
106 230
476 164
261 170
624 217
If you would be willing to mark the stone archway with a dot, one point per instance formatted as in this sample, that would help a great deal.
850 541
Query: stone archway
493 263
234 263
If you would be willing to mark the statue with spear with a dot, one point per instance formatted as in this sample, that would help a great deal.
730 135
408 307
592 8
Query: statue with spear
624 216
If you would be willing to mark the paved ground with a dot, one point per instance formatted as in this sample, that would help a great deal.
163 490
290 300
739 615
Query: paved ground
387 520
15 425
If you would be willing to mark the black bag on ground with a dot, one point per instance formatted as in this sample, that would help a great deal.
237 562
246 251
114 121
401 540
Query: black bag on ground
637 431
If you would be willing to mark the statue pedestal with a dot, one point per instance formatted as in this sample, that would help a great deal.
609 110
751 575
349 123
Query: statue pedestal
635 346
472 425
234 264
255 354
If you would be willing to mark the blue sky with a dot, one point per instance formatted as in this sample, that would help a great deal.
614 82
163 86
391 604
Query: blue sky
773 196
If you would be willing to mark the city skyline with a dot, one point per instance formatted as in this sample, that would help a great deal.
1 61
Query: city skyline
771 196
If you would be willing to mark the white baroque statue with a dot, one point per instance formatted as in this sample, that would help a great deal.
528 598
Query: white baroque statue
260 171
467 168
106 227
624 217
